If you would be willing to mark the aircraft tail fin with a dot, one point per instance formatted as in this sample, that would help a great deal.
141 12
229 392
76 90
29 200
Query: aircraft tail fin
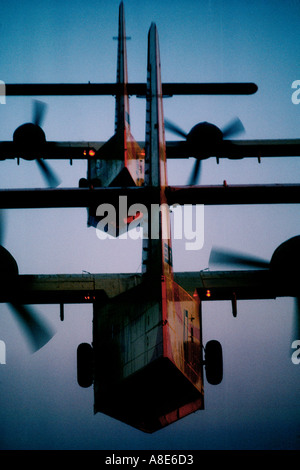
122 119
157 252
120 160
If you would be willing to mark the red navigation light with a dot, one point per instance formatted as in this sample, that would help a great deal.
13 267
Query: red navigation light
208 293
92 153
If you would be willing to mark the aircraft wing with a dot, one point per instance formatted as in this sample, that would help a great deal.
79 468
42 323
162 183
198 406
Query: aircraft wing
86 288
238 149
232 285
53 150
175 149
66 288
138 89
207 195
227 194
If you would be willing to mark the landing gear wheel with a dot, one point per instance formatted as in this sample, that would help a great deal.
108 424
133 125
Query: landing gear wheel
85 365
214 362
83 183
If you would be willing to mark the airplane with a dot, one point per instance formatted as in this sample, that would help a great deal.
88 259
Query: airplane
147 359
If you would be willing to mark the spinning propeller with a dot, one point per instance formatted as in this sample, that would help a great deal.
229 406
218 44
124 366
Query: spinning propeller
30 140
219 256
204 140
284 268
36 331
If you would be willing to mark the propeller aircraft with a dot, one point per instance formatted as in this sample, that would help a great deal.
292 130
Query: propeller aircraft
147 358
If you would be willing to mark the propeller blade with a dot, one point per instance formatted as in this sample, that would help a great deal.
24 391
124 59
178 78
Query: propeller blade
36 331
233 128
49 175
174 128
195 173
39 112
219 256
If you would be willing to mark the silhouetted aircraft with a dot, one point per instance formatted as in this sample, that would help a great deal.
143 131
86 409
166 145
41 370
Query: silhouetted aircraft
147 358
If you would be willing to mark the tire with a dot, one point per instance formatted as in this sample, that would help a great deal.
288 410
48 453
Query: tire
85 365
83 183
214 362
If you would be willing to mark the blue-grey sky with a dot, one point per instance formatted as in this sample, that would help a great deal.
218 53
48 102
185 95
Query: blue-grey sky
257 404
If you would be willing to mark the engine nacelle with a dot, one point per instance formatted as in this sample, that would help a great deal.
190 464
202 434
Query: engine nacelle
8 264
203 139
29 138
285 263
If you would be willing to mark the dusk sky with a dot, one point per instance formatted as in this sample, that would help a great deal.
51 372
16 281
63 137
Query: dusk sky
257 404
